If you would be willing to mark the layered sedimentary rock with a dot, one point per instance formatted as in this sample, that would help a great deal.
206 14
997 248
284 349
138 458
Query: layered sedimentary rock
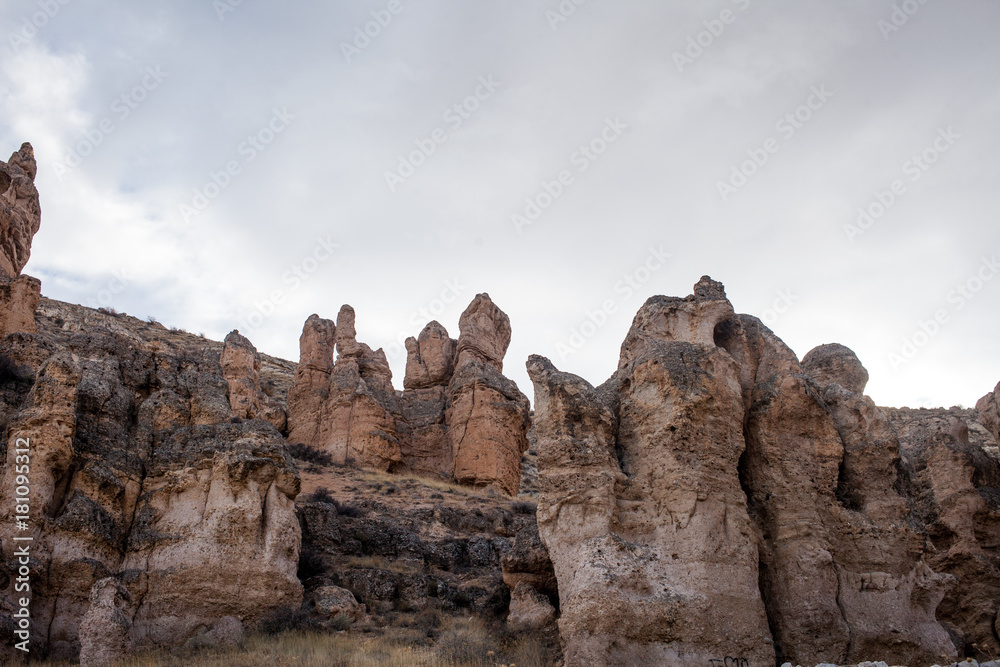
458 416
139 481
241 370
715 482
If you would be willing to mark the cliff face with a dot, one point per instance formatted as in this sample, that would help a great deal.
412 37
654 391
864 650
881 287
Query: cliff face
721 498
140 475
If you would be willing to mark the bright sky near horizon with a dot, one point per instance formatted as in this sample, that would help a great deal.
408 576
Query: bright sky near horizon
236 164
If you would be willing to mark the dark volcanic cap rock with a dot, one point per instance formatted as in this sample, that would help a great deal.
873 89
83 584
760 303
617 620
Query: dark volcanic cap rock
835 363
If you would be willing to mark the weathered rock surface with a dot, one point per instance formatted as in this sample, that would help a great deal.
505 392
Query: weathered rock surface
139 475
715 482
640 503
241 370
20 213
18 302
988 408
458 417
104 628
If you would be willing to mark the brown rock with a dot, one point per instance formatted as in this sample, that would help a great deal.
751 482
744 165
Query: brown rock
18 302
430 358
835 363
529 609
308 395
348 407
196 521
528 562
241 370
487 418
20 214
988 408
484 334
104 628
640 504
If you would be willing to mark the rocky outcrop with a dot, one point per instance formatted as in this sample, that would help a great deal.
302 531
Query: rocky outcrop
139 475
241 370
988 408
20 217
715 482
20 213
640 503
458 417
346 408
486 413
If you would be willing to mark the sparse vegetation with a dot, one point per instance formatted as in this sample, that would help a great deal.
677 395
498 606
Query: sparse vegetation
310 454
152 320
11 372
107 310
523 507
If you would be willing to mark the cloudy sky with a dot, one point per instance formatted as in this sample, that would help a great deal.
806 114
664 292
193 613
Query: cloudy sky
242 164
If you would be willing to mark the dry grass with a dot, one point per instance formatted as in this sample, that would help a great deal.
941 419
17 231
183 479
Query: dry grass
380 563
464 642
429 482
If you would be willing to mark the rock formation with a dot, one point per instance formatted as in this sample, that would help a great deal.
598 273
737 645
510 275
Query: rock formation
988 408
241 370
20 216
140 477
346 407
715 482
458 416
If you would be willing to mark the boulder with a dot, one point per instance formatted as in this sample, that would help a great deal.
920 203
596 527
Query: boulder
834 363
529 609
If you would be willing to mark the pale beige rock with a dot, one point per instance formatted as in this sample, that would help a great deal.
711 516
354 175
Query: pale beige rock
18 302
835 363
484 334
104 628
529 609
20 213
240 363
333 600
640 504
988 408
215 531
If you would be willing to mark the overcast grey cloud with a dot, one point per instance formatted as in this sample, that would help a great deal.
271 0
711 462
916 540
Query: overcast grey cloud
229 164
